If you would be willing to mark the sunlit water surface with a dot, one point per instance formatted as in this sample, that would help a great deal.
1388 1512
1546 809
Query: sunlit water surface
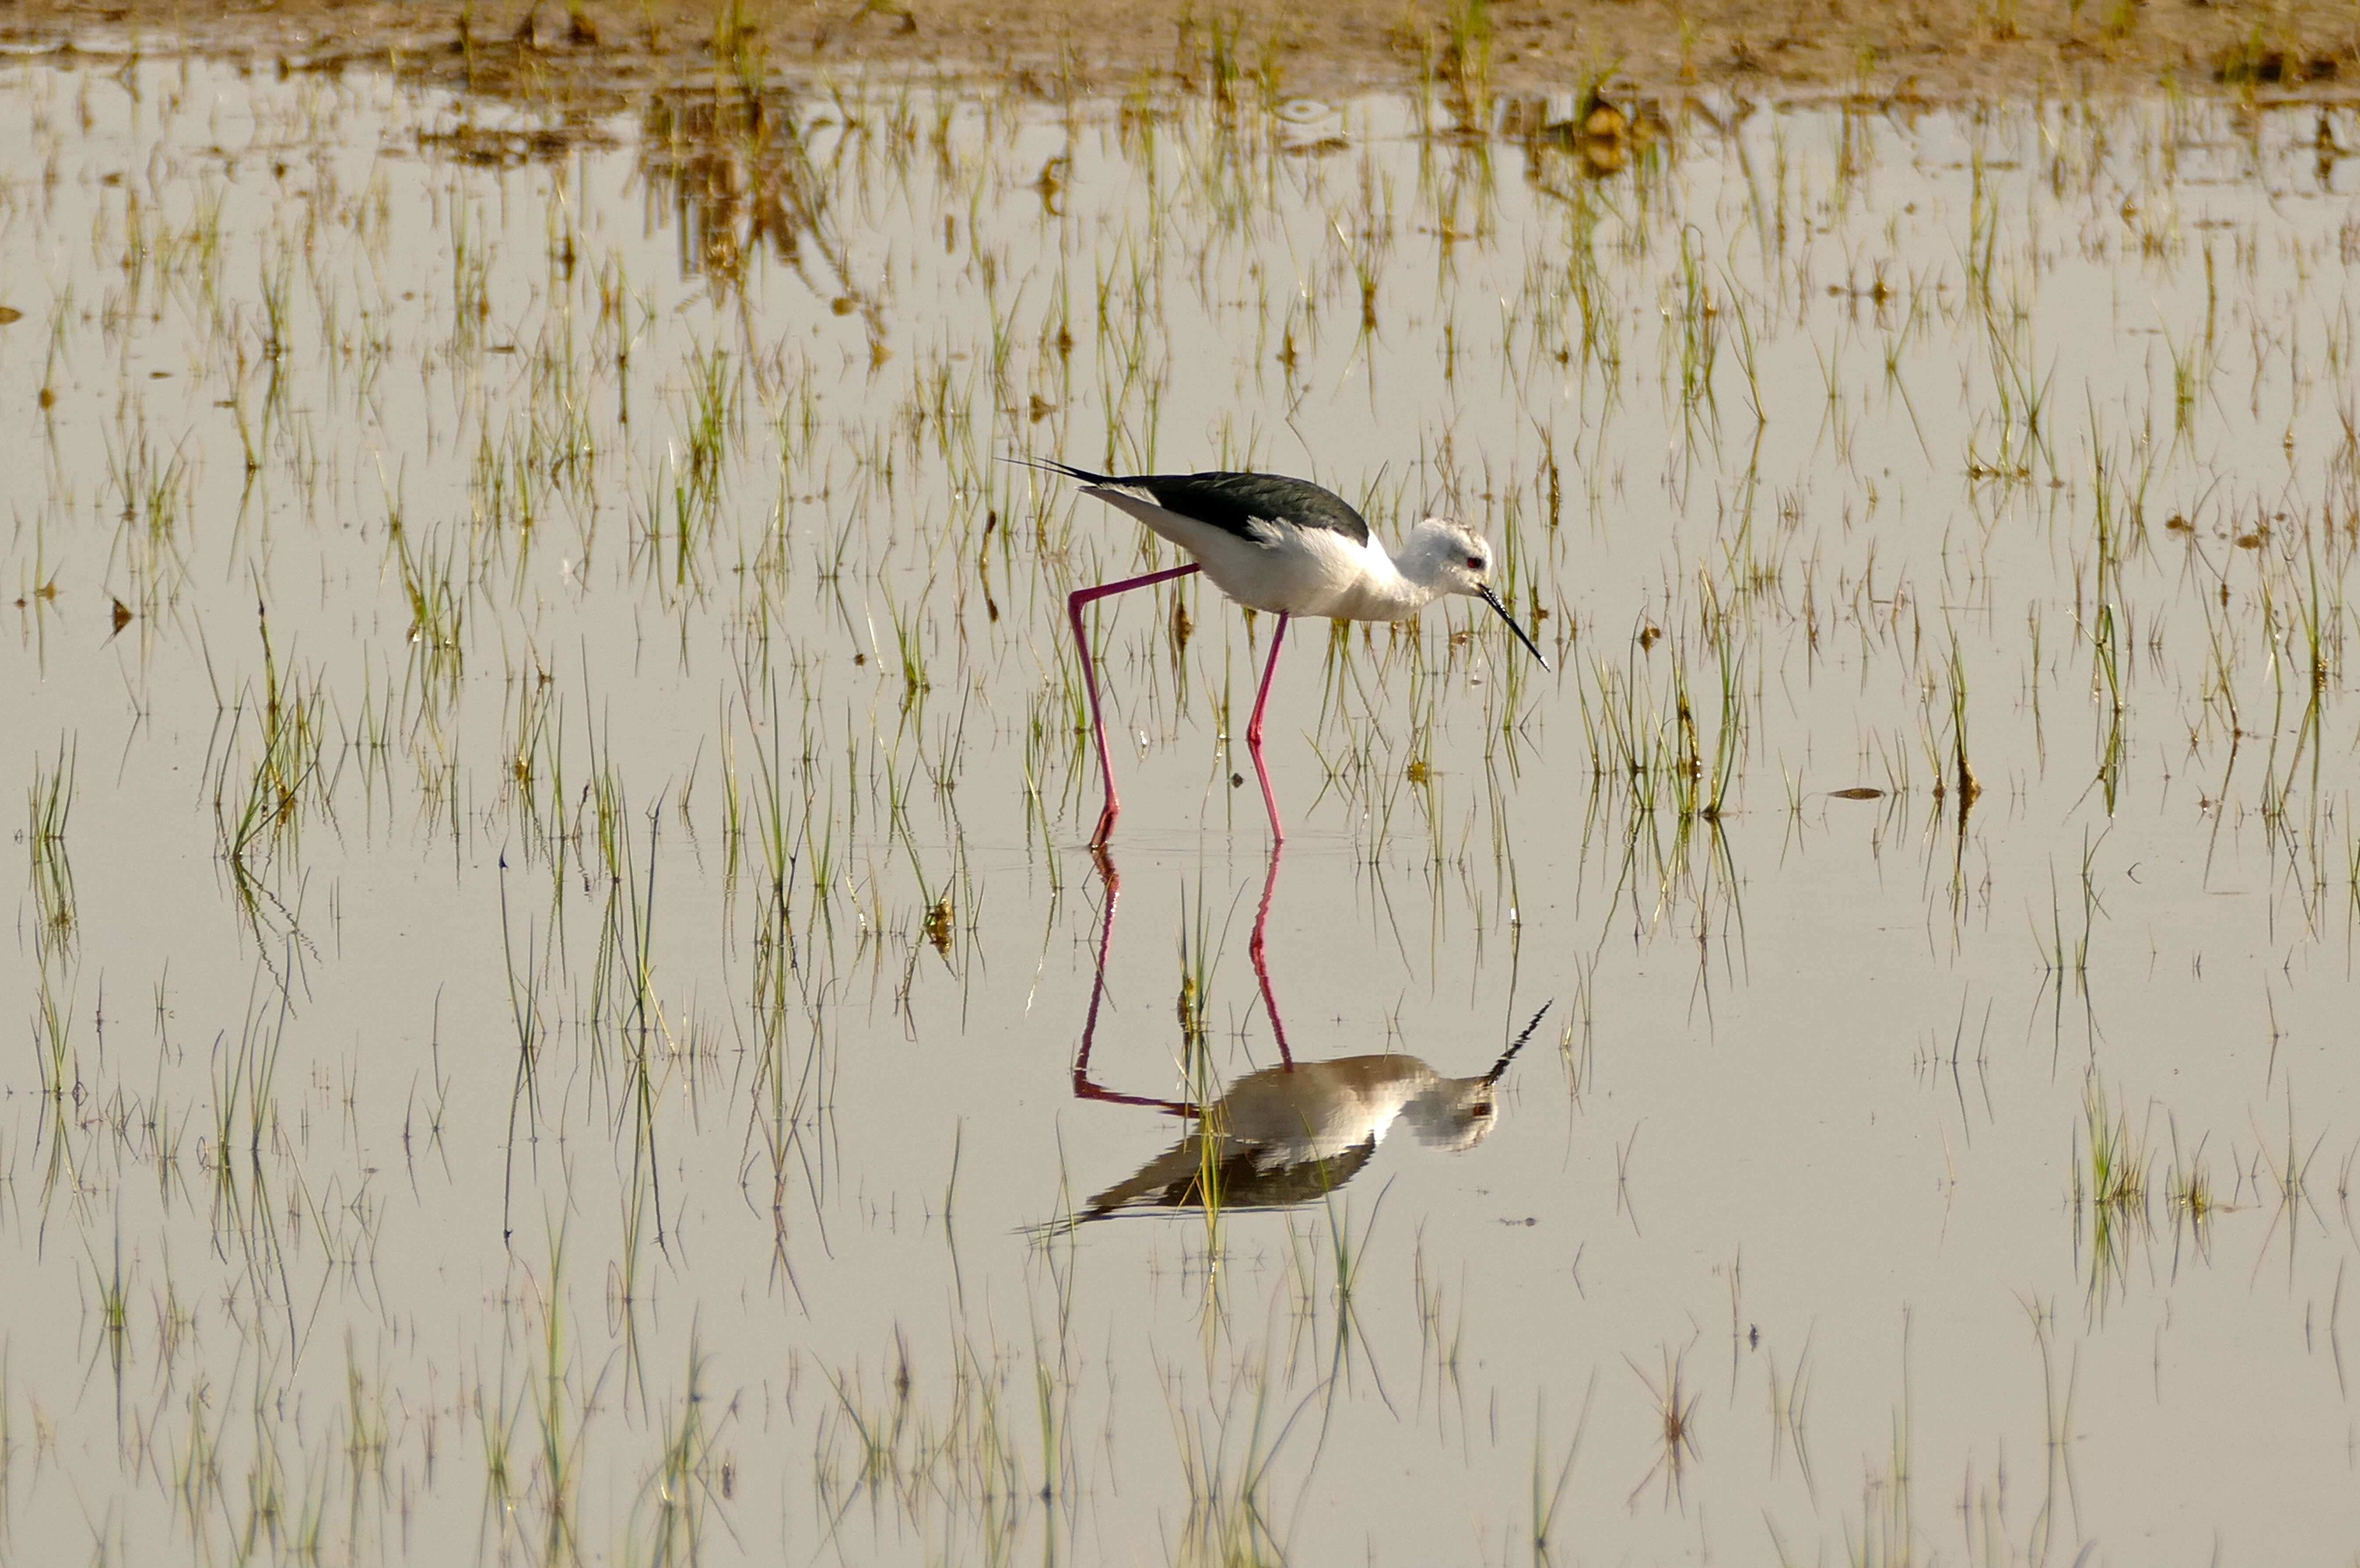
556 931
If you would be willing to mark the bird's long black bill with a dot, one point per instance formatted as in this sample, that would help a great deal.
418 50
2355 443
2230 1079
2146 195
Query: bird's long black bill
1494 600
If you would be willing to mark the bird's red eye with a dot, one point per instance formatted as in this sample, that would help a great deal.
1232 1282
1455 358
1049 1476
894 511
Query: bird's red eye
1474 563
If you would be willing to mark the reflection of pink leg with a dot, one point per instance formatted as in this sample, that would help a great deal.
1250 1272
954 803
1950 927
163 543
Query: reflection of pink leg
1253 747
1261 960
1074 601
1084 1089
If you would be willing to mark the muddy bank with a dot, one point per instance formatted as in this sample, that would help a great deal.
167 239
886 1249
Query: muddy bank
1934 49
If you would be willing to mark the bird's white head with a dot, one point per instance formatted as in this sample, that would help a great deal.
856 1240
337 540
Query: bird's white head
1446 556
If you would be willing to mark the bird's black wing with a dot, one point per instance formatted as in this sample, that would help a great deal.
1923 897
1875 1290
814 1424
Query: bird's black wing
1238 504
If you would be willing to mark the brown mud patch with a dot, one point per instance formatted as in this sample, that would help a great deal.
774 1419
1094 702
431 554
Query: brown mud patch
603 52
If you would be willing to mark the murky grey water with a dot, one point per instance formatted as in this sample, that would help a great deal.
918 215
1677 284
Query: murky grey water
556 938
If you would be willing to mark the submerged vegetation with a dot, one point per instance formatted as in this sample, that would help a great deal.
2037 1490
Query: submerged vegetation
534 682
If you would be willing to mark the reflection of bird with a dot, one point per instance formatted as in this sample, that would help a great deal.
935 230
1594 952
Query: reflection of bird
1287 546
1288 1135
1598 119
1604 133
1605 139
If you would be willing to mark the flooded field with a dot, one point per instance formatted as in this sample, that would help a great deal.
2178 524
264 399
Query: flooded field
567 1015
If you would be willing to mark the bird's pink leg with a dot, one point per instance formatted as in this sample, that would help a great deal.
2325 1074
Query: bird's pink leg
1253 745
1262 962
1074 601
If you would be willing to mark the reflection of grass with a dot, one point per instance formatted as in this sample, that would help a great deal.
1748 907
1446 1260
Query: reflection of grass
687 1478
61 1064
2110 1175
1549 1497
1347 1254
2117 1157
1228 1451
1790 1401
45 837
2289 1170
155 492
1201 1084
1442 1334
558 1410
2188 1189
1675 1435
1197 950
258 809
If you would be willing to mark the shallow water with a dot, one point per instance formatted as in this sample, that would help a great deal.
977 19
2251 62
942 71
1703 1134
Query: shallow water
557 928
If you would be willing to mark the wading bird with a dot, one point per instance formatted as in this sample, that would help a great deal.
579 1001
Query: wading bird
1283 545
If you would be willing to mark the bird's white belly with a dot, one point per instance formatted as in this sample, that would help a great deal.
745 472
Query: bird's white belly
1319 577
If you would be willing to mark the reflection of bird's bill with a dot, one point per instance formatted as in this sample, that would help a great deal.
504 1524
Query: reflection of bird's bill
1494 600
1501 1066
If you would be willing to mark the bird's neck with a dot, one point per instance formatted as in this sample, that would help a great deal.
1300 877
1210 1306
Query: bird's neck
1418 575
1391 596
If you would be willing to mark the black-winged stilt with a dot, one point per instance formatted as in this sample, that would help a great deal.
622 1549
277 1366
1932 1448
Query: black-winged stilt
1283 545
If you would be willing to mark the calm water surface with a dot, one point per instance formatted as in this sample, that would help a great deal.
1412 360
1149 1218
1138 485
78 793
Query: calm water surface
557 952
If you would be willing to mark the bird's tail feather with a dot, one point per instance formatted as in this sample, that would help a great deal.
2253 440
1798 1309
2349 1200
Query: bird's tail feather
1050 465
